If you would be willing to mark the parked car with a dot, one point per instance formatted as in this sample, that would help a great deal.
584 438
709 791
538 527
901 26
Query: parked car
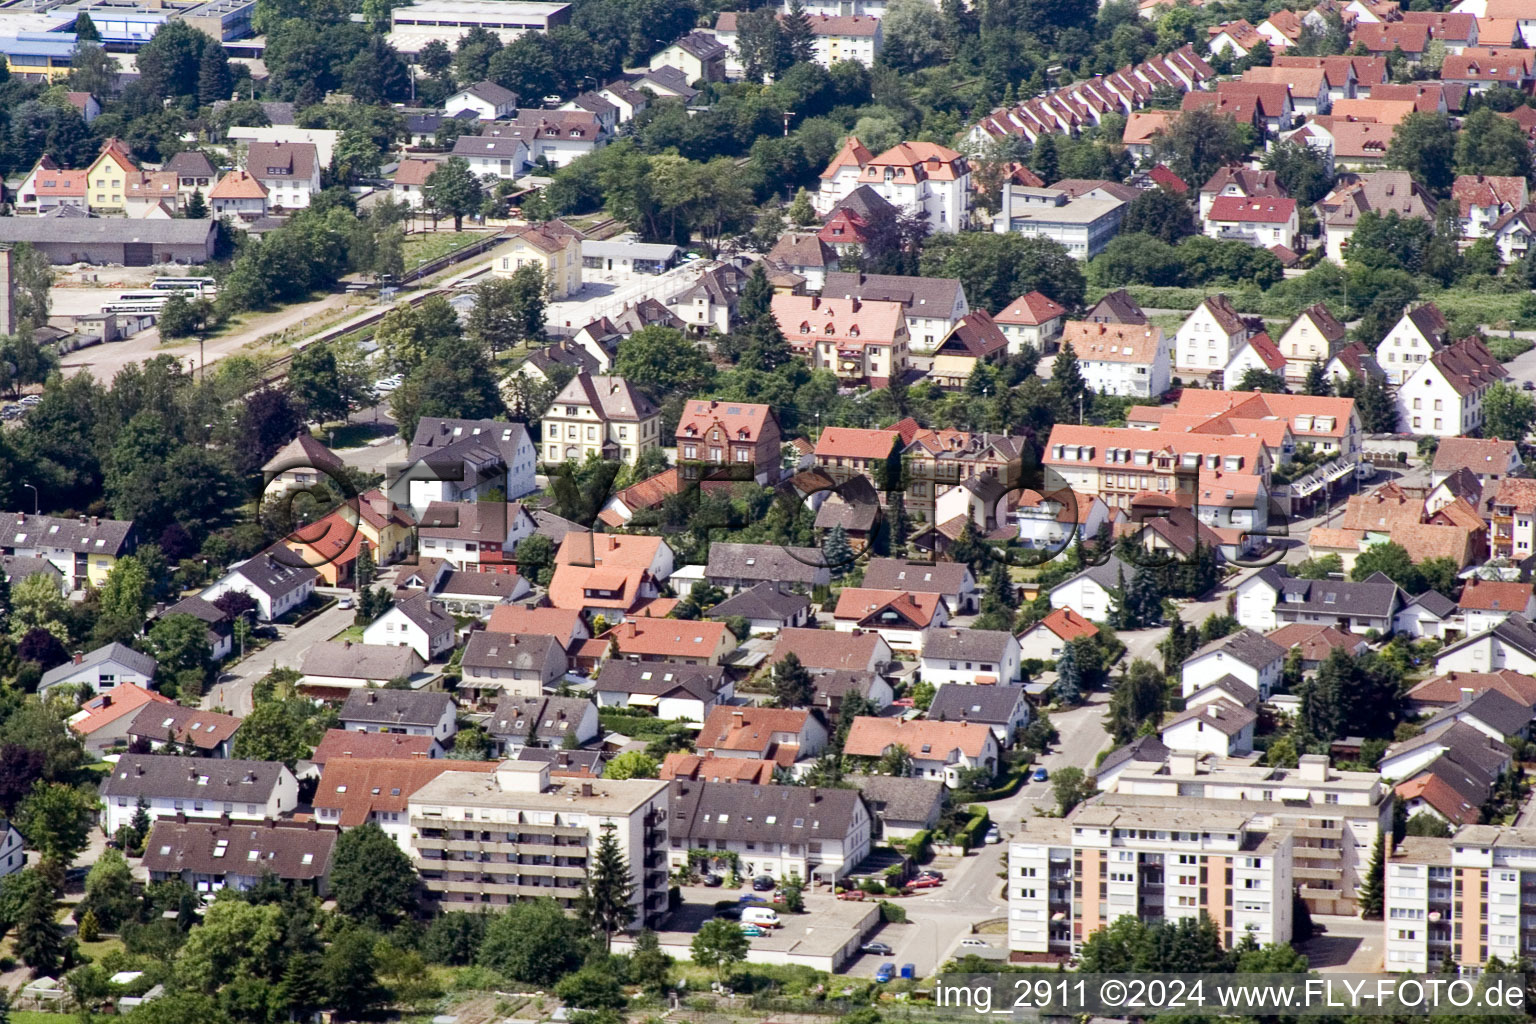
993 836
752 930
885 973
975 943
1529 385
930 873
714 881
877 949
763 883
733 913
750 897
855 895
1041 775
344 603
925 883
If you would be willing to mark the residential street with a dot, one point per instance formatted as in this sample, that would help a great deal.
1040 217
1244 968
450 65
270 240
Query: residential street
233 689
972 891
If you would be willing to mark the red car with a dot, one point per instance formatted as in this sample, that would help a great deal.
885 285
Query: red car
925 883
853 894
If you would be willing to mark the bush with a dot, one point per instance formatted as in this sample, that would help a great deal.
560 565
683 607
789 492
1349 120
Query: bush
890 913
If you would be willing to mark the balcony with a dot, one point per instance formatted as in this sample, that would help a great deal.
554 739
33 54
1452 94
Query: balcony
1318 874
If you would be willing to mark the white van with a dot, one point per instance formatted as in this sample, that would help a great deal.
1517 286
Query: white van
763 917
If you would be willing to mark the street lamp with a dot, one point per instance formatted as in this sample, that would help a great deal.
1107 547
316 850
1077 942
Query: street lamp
35 505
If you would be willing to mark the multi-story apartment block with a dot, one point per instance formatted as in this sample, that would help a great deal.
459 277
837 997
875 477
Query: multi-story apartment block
605 417
818 835
918 177
1176 859
1457 902
516 833
1513 534
1333 816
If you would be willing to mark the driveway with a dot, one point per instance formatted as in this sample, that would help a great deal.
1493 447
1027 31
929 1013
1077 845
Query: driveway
233 689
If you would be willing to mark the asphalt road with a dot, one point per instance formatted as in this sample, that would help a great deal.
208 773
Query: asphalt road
939 918
233 689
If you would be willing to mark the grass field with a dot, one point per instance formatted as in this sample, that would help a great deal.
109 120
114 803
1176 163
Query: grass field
423 248
38 1017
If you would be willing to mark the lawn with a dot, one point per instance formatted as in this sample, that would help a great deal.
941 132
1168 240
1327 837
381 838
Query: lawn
353 633
352 435
426 247
39 1017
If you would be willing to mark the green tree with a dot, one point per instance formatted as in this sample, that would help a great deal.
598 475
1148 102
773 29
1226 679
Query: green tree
1373 889
1300 170
662 362
1319 568
801 213
1317 385
372 881
56 821
1255 379
838 551
1070 787
316 380
719 944
1490 143
1198 142
349 971
1393 561
109 891
632 764
452 190
606 899
1067 382
197 206
37 604
997 268
533 942
271 733
1139 698
214 81
85 28
756 295
169 63
39 941
1508 413
793 686
1426 824
1069 677
1161 213
1425 145
648 965
455 381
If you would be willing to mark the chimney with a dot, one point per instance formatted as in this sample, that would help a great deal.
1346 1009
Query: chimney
346 643
1182 762
373 698
314 826
95 521
1313 767
586 789
739 715
79 657
106 701
138 769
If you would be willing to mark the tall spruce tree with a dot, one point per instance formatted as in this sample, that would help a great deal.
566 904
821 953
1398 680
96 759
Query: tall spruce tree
799 40
605 901
1069 676
1373 890
792 683
838 551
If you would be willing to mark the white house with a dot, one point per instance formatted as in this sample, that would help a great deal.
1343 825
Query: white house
1220 728
1046 639
1427 616
1031 319
332 667
1089 592
503 156
12 857
1271 598
1511 644
199 787
401 713
1444 396
1419 334
489 101
673 690
276 580
471 533
1257 222
914 176
417 622
1134 360
939 750
102 669
463 460
1083 224
1257 353
969 656
754 826
1209 337
1250 657
1055 520
289 171
1486 603
1003 709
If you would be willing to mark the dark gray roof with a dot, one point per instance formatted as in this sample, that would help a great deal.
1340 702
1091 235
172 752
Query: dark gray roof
108 230
894 799
719 811
491 92
661 679
460 438
866 202
1252 649
189 164
1229 684
830 687
82 535
765 562
946 578
1470 784
199 609
919 296
1436 603
1116 308
1516 630
1109 575
500 147
557 716
120 653
967 644
521 652
426 613
165 723
763 601
554 527
1228 717
1148 749
591 761
563 353
275 572
360 661
1490 707
1468 744
16 568
1376 596
463 583
298 851
854 516
395 707
990 705
184 778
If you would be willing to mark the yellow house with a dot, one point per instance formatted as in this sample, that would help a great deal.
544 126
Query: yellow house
558 253
83 550
388 528
602 416
39 56
106 180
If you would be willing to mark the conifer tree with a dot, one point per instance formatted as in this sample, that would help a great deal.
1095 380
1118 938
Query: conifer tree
1373 889
606 899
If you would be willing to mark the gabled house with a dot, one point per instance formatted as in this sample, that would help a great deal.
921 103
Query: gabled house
550 722
951 580
277 582
938 750
488 101
558 257
1208 339
463 460
606 417
108 175
1046 639
1419 334
1220 728
102 721
737 434
1444 395
1250 657
817 835
898 616
417 622
248 791
780 735
767 607
1431 615
1313 337
1031 319
209 856
693 643
103 669
1486 603
969 656
401 713
733 566
289 171
1121 359
1271 598
1091 593
1005 709
672 691
204 733
826 650
520 664
468 534
932 306
332 669
1262 223
1485 200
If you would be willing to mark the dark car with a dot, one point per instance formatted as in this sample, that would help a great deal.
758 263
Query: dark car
1529 385
928 873
877 949
763 883
734 913
714 881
